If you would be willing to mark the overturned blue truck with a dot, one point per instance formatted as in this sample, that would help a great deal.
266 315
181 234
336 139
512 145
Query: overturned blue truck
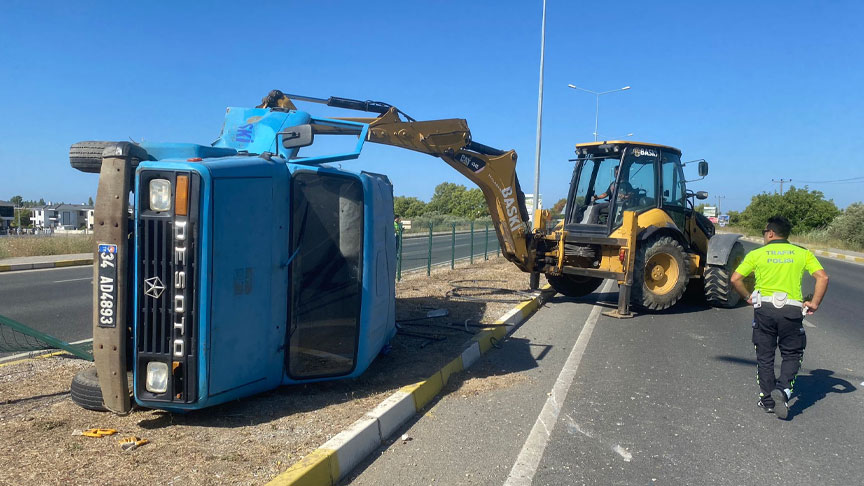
229 269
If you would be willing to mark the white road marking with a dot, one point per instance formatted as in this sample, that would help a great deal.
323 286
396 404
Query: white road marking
73 280
623 453
526 464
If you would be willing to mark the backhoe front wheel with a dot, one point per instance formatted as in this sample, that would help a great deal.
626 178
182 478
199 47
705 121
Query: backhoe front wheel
719 291
573 285
660 273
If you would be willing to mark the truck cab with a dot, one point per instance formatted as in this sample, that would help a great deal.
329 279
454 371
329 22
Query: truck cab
252 267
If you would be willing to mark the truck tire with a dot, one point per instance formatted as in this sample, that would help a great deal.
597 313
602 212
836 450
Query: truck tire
660 274
573 285
87 156
718 285
85 390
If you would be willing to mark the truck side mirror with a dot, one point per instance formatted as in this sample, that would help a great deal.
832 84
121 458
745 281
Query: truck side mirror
703 169
702 194
297 136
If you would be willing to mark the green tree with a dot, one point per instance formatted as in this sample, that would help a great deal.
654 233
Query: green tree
734 217
90 201
41 201
805 209
557 209
408 207
457 200
22 218
16 201
700 208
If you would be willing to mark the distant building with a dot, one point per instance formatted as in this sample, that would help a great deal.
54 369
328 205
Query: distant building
7 215
65 216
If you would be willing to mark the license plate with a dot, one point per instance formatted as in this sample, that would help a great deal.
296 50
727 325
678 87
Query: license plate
107 285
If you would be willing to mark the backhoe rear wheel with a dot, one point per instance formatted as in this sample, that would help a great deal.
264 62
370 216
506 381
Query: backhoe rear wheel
660 273
719 291
573 285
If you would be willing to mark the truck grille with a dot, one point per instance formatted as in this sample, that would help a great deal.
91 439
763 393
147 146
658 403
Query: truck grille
167 312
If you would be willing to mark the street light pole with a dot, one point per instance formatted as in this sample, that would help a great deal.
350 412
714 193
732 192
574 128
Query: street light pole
597 108
539 115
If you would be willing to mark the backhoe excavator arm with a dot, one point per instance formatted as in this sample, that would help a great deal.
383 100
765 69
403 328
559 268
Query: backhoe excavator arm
492 170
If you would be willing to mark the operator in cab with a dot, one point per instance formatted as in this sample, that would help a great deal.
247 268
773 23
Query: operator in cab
779 309
626 188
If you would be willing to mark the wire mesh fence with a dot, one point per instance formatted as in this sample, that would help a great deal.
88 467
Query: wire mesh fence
444 243
19 338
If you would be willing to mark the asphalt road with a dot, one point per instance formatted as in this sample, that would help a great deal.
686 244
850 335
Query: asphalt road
663 398
58 301
416 249
55 301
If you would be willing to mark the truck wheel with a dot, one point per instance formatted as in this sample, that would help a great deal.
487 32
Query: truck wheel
719 291
573 285
660 273
87 156
85 390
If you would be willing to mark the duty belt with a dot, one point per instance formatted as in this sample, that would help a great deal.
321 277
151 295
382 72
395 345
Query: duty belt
778 299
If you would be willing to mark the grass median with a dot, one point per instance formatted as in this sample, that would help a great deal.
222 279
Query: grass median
25 246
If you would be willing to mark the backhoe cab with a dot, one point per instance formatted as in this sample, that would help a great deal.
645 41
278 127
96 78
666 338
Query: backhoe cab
630 217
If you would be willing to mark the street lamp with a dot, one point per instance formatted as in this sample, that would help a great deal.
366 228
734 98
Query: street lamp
597 95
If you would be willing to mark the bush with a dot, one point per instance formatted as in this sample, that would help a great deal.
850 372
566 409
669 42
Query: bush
849 226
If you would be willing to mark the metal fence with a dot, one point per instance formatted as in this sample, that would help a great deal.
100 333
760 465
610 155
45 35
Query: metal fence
444 244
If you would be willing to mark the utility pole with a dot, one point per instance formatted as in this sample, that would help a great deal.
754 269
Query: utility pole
719 198
781 181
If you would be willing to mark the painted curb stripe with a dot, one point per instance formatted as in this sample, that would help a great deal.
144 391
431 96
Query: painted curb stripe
338 456
317 468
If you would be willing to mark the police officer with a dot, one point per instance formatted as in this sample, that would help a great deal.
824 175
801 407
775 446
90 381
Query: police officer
779 309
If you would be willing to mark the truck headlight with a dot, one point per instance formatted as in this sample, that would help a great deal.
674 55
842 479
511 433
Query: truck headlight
157 377
160 195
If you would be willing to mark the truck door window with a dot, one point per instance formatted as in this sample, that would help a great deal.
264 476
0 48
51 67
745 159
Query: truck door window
673 180
326 274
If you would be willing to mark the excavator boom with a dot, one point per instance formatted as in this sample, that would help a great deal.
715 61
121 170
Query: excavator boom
492 170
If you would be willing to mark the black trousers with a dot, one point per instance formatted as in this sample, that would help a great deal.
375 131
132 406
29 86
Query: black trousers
774 327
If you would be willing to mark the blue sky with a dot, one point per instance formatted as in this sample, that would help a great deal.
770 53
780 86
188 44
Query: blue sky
761 90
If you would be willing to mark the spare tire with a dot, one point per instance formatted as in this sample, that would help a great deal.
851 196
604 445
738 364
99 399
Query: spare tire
85 390
87 156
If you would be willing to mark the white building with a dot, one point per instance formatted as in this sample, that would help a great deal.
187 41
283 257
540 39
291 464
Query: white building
65 216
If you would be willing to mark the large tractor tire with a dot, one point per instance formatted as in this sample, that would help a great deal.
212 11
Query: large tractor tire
574 285
719 291
660 274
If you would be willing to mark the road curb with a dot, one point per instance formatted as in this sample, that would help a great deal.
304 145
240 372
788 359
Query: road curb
33 266
331 462
822 253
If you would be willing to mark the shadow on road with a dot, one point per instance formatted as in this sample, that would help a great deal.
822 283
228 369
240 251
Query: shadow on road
814 387
809 388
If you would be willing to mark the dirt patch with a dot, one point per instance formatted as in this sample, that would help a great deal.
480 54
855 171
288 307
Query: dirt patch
252 440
